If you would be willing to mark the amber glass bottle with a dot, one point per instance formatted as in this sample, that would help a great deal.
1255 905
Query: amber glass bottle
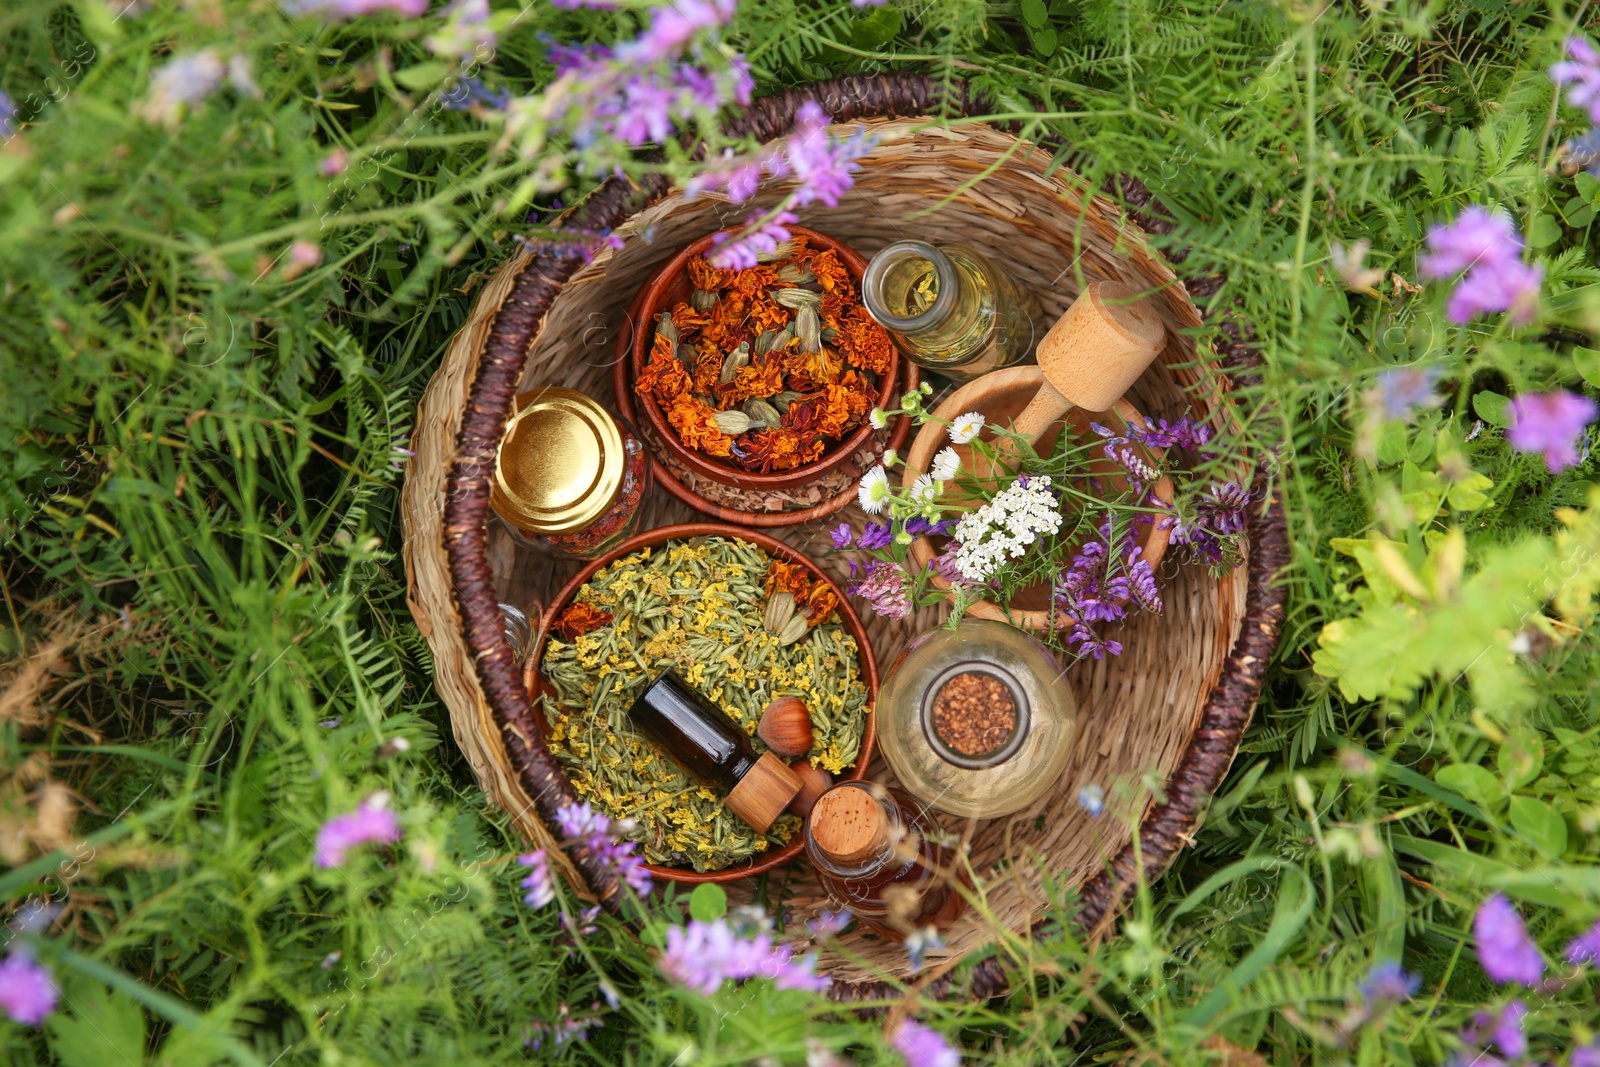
870 847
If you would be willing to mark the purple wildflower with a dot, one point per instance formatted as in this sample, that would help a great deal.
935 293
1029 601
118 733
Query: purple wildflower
1587 1055
1092 644
739 177
336 162
829 923
1506 951
922 1046
574 5
762 233
541 1035
182 82
584 924
1585 948
1404 388
371 823
673 26
1582 74
842 535
821 164
886 587
349 9
1092 799
1186 433
1550 423
1487 247
581 820
875 535
702 956
28 993
1218 512
8 114
1388 983
867 3
605 842
1508 1029
922 941
946 564
540 886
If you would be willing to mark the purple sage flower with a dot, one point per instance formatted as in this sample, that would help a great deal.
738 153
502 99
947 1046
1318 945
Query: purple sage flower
842 535
886 587
28 993
1506 951
1487 247
372 823
922 1046
1585 948
540 886
1581 74
1388 983
1551 423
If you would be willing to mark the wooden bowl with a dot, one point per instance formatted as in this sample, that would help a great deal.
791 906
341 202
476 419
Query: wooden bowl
669 286
998 397
538 687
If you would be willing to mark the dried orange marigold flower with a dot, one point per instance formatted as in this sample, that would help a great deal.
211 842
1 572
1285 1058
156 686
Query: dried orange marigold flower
864 343
696 426
580 619
663 375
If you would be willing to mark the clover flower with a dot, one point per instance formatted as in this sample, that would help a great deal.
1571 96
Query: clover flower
540 886
874 490
963 428
704 955
1505 950
1581 74
886 587
946 465
922 1046
1551 423
372 823
28 992
1002 529
1488 249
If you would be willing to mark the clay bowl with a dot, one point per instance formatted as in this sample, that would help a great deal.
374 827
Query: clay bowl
669 286
998 397
538 687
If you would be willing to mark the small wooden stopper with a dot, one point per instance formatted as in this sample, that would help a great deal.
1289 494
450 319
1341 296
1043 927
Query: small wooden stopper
849 826
764 792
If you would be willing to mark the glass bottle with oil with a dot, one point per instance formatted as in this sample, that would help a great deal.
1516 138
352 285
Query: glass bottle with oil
952 310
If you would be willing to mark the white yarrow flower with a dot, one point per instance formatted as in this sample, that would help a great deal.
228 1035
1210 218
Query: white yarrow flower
924 489
879 418
874 491
945 465
1003 529
965 427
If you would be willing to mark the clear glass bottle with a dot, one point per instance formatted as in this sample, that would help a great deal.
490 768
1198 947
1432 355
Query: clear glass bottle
952 310
871 848
570 477
976 721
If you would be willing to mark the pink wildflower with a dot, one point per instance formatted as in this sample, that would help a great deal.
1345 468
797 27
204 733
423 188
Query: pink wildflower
370 823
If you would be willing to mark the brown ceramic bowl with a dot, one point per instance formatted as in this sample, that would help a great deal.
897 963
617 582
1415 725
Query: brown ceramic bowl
669 286
537 686
999 397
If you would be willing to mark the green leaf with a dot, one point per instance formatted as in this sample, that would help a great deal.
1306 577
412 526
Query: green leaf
654 932
1587 363
1543 231
1492 408
1392 442
1044 41
876 28
1588 187
708 902
104 1028
1035 14
1578 212
1471 781
1539 825
1521 758
422 76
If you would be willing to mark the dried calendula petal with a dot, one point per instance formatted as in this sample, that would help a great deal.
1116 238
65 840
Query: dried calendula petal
780 609
793 630
808 327
739 357
798 298
732 423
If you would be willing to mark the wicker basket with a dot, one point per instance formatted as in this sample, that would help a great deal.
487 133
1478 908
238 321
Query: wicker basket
1172 707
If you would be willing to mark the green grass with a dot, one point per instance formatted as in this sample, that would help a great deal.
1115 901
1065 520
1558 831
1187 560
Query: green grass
201 542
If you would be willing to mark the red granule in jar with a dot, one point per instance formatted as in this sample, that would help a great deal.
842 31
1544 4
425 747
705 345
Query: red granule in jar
974 713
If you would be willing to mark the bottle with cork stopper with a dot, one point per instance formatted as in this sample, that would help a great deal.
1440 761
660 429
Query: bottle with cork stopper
871 849
712 747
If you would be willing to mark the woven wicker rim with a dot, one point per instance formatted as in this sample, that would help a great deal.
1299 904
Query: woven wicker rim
530 284
773 547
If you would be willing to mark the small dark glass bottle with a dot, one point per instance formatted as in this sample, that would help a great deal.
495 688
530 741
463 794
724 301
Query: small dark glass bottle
712 747
870 848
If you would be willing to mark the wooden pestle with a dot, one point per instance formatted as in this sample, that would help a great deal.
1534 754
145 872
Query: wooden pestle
1092 355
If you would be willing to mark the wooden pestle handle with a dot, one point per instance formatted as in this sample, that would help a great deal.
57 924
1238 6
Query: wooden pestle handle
1092 355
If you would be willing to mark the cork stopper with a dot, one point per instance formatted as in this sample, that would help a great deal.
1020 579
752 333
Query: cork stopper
849 826
1098 349
764 792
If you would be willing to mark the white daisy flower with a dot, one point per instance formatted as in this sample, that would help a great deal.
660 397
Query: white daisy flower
879 418
924 489
874 491
890 457
965 427
945 465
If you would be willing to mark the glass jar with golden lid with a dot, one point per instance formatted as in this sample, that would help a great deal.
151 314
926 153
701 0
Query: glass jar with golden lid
570 477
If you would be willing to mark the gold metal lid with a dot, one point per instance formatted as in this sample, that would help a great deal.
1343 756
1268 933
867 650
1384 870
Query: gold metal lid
560 463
